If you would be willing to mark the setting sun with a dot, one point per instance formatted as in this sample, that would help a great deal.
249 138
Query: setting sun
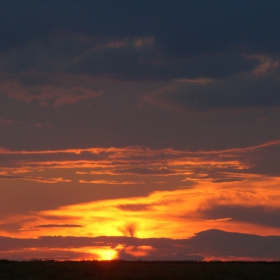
98 253
139 130
106 254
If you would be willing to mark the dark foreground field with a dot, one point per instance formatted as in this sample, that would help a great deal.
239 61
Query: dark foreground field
138 270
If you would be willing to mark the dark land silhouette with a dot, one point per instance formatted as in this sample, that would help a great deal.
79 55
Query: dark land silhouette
138 270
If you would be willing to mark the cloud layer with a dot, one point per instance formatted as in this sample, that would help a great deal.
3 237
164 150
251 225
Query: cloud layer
134 119
223 245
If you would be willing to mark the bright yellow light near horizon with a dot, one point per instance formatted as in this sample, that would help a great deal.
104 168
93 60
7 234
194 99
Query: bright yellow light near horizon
100 253
112 253
105 253
108 254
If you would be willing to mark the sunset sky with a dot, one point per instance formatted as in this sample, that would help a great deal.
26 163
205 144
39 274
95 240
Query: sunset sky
143 129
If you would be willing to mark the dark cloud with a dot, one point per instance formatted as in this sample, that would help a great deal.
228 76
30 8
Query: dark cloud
267 161
210 26
137 40
135 59
42 254
10 227
256 214
180 27
228 179
58 226
239 92
129 230
145 171
36 179
134 207
142 60
219 243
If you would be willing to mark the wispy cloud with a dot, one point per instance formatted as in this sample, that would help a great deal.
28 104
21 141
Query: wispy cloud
107 182
115 163
58 226
131 171
48 95
35 179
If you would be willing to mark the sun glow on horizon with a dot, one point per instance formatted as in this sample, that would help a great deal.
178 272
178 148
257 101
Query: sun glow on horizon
107 254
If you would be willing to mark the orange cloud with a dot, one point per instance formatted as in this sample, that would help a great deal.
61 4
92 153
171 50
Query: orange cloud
173 214
110 182
35 179
139 161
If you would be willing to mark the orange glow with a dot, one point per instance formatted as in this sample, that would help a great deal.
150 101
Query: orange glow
101 253
106 254
184 193
161 214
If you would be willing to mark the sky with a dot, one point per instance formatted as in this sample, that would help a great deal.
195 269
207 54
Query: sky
140 130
